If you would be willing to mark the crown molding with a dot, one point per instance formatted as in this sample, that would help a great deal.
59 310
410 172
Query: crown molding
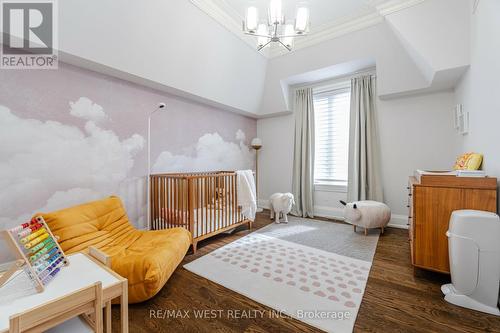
330 31
225 16
396 5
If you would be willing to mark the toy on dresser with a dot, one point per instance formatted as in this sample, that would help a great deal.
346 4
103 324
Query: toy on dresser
37 252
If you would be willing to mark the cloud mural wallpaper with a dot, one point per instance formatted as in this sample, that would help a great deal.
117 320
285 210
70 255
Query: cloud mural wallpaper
211 152
72 135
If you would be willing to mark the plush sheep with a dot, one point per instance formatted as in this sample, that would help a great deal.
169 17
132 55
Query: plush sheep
281 203
367 214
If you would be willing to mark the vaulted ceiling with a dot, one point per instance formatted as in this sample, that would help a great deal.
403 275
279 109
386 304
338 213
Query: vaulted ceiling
329 18
194 49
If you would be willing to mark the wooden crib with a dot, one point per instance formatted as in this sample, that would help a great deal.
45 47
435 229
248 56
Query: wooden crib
205 203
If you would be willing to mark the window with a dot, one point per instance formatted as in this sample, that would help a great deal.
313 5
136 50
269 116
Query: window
331 111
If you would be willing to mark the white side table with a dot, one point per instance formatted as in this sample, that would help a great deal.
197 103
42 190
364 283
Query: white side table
18 295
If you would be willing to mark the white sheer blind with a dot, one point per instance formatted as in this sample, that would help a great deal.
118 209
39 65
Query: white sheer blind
331 111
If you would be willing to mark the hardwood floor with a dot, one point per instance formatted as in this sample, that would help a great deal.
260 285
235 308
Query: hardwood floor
395 300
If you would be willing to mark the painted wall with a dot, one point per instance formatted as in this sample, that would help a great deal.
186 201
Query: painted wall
479 88
171 43
415 132
71 135
432 56
378 43
446 24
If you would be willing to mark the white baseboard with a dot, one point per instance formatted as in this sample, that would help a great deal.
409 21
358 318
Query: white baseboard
329 212
397 221
263 204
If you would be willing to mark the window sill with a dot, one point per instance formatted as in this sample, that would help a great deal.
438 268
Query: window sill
340 187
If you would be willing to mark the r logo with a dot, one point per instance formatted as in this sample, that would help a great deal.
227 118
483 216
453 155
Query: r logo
27 27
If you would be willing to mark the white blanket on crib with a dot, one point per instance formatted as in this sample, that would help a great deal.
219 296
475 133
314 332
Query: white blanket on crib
247 197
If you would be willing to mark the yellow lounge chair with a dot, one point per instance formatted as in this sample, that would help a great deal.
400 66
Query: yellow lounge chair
145 258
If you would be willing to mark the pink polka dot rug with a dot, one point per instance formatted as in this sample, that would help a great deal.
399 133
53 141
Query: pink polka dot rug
320 288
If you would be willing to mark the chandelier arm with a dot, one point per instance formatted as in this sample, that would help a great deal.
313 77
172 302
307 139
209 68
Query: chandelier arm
263 46
291 36
257 35
285 46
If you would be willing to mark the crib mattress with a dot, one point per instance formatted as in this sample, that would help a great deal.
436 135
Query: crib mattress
207 220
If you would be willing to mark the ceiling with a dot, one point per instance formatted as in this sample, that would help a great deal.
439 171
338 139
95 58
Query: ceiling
322 11
329 18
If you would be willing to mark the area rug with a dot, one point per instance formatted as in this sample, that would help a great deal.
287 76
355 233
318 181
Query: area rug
333 237
319 287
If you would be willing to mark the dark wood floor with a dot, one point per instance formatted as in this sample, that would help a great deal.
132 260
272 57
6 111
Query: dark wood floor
394 301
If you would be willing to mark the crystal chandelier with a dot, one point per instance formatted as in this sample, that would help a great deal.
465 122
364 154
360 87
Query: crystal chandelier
276 29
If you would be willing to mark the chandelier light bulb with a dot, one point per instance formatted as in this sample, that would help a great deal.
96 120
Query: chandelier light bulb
302 20
252 19
275 12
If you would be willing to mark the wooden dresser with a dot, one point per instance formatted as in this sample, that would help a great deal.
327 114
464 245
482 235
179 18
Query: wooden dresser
431 202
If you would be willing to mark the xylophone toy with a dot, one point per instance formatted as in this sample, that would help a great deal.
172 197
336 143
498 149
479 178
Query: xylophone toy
37 252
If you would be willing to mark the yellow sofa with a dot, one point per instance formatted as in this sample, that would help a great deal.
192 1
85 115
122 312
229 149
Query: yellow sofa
145 258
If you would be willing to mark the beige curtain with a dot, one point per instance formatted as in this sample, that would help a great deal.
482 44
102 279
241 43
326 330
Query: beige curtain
303 161
365 180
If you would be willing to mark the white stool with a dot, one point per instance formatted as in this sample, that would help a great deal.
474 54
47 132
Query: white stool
367 214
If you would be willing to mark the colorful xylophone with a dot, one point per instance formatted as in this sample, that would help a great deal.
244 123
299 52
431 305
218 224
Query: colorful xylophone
37 251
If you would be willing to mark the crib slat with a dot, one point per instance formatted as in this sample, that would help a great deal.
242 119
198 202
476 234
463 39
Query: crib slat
200 200
222 216
155 200
205 200
210 207
157 212
179 201
151 200
212 203
234 197
182 206
170 197
217 199
165 191
199 220
175 193
225 201
228 201
214 210
183 203
191 205
165 203
221 211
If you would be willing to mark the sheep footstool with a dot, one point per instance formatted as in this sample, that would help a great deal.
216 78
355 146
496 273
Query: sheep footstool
367 214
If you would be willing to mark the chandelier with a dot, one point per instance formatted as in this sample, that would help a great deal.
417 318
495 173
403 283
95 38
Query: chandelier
276 29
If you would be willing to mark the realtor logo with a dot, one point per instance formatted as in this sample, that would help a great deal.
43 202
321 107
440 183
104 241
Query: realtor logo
29 34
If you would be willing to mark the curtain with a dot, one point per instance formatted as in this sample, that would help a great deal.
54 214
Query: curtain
303 161
364 180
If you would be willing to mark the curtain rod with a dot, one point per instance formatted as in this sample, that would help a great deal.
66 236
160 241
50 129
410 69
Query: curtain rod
368 71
